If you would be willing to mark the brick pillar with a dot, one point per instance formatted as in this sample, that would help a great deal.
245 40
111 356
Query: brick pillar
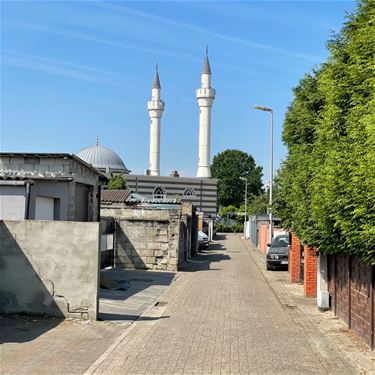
263 237
295 260
310 272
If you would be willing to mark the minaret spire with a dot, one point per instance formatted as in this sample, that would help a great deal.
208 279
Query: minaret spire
206 64
155 110
205 96
156 84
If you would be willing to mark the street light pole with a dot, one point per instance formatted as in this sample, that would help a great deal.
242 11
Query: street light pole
245 220
267 109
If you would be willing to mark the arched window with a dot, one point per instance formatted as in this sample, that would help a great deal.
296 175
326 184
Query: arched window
189 192
159 192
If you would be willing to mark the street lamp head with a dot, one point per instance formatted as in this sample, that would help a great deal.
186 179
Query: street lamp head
243 179
263 108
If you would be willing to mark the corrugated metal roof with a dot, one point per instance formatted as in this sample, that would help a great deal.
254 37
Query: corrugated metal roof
114 196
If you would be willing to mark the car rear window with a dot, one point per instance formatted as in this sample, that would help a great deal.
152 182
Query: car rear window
280 242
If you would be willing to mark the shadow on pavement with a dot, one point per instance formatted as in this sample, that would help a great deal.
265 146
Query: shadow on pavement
204 260
216 246
220 236
140 289
114 317
23 329
136 282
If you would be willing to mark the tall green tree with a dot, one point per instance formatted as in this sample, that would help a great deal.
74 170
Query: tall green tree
325 190
228 166
258 204
292 198
343 201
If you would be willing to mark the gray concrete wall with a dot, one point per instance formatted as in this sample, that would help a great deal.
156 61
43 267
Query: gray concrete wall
51 189
48 174
148 239
49 267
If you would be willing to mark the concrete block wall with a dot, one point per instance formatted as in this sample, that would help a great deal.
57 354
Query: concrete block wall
310 272
49 267
147 238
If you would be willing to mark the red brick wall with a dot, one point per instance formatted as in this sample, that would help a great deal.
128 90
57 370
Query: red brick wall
310 272
295 260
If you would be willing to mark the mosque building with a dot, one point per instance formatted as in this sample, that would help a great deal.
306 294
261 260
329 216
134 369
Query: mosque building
201 191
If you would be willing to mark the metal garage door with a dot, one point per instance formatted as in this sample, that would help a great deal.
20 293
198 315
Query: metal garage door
81 202
12 202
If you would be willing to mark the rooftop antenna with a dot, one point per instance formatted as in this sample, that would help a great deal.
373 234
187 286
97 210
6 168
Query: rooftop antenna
97 140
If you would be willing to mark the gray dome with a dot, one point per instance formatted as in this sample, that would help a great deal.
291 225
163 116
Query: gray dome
102 158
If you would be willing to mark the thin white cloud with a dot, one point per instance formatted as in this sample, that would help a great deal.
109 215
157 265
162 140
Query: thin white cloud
127 10
56 67
99 40
113 43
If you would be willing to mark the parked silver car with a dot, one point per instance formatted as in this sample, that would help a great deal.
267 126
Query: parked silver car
203 240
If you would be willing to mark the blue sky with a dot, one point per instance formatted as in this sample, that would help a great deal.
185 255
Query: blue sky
72 71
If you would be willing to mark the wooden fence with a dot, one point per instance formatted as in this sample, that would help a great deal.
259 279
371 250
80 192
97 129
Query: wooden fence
351 287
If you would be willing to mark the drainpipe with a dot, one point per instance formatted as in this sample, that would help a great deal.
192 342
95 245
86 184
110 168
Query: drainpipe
28 190
98 202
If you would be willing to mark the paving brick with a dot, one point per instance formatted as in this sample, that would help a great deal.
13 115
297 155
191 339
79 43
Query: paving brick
221 317
225 314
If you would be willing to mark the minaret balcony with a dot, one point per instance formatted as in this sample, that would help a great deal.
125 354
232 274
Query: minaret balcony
205 93
157 105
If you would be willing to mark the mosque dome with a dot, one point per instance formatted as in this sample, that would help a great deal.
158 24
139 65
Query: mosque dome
103 159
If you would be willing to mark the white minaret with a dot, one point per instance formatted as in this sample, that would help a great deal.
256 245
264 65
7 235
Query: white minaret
155 110
205 96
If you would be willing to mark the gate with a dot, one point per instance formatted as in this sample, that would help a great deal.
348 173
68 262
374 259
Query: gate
302 264
107 237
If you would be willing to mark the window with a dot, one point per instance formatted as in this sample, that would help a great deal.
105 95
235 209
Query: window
159 192
189 192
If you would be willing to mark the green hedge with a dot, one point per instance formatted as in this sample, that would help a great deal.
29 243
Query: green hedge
235 228
325 190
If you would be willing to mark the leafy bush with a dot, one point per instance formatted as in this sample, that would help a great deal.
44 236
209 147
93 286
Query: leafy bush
237 228
221 228
117 182
325 189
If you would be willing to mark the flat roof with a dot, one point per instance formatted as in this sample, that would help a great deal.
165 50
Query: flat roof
62 155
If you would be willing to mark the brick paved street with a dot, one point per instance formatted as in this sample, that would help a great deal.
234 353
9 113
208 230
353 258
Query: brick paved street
222 317
224 314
